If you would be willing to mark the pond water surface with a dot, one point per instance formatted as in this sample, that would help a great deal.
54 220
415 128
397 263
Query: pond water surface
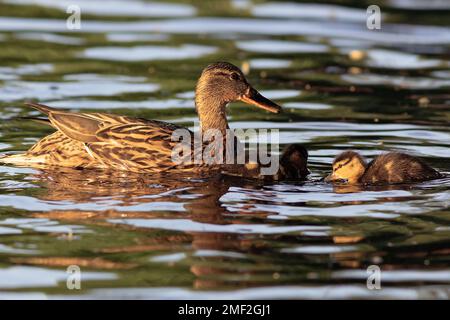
342 86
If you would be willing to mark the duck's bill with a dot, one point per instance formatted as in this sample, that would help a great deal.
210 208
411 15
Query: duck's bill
253 97
332 178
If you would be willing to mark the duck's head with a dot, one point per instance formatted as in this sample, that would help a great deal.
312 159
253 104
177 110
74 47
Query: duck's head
294 162
348 167
221 83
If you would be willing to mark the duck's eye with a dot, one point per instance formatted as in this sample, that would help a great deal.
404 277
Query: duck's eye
235 76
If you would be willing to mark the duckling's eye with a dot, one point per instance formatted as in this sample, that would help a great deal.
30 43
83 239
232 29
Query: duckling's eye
235 76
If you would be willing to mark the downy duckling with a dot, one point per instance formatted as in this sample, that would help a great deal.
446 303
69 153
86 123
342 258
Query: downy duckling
391 167
292 166
294 163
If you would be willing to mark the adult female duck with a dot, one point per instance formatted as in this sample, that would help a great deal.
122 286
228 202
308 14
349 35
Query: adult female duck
98 140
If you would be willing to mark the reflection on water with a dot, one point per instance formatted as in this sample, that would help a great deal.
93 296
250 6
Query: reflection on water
280 47
143 53
167 237
133 8
86 86
308 10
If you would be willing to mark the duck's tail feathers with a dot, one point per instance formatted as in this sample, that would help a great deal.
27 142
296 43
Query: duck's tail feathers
36 119
21 159
41 107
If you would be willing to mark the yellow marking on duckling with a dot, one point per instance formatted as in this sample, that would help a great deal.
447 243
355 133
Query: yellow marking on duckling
388 166
251 166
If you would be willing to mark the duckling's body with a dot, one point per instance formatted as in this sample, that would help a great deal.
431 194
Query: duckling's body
396 167
294 163
388 168
106 141
292 166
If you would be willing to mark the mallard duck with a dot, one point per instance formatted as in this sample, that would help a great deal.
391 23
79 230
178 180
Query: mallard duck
391 167
107 141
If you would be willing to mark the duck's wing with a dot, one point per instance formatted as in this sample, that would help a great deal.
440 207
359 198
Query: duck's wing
134 147
119 142
102 118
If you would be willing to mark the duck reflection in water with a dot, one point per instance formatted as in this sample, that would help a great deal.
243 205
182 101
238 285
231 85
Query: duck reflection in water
199 202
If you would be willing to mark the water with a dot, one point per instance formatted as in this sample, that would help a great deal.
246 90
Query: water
342 86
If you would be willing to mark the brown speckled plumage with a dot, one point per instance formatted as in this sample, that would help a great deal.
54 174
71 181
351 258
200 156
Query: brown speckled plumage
98 140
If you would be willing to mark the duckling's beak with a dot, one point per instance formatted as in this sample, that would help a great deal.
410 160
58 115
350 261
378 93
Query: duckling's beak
255 98
332 178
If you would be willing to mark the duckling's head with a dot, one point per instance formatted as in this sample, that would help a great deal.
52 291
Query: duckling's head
294 162
348 167
221 83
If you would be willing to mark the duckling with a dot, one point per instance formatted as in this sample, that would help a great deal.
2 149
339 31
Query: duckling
391 168
292 166
294 163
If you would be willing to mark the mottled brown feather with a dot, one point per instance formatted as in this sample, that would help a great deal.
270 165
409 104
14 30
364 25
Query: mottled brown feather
75 126
98 140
